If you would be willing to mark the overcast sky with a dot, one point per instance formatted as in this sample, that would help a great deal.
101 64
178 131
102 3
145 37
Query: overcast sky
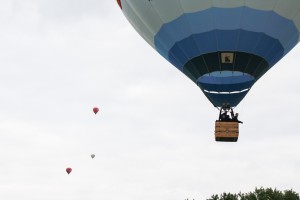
154 134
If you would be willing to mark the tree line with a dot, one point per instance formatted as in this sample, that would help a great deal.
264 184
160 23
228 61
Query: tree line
258 194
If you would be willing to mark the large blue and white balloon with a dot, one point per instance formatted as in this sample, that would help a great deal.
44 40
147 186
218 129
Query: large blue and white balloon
224 46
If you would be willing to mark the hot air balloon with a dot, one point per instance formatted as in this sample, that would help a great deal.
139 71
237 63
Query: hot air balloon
93 156
69 170
223 46
95 110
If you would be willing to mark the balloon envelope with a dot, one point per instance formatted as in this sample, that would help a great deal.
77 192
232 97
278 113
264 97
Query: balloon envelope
93 155
95 110
223 46
69 170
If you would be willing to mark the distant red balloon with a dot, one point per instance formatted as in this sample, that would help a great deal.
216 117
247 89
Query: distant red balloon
68 170
95 109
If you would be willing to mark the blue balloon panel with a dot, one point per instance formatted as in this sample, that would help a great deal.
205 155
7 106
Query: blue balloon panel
258 21
235 40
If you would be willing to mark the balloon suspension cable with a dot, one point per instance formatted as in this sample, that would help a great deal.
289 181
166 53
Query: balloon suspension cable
226 106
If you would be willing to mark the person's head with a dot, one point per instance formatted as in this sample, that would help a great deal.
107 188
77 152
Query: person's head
236 114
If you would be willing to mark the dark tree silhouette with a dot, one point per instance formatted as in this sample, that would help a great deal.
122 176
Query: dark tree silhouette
259 194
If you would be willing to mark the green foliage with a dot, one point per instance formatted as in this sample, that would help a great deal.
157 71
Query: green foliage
259 194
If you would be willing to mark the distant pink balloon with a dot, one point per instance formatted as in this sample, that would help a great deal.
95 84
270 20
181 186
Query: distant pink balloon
95 110
68 170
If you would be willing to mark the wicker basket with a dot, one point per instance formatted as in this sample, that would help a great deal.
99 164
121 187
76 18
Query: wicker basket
226 131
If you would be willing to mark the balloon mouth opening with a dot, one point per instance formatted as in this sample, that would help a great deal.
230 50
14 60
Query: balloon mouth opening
233 92
225 82
225 86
